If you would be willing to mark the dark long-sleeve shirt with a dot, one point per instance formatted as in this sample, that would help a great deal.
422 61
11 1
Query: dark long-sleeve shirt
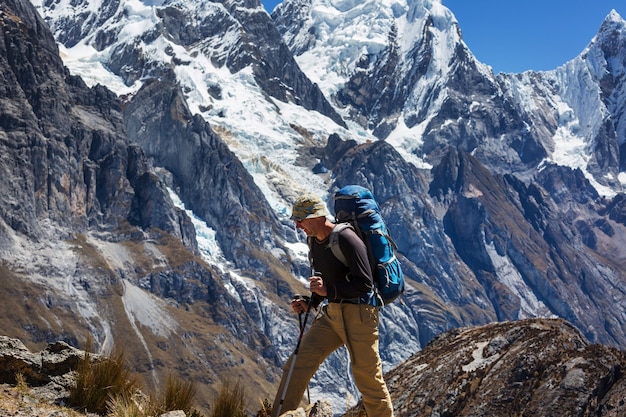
343 282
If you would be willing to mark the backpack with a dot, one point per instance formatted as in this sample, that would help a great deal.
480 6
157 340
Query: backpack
355 207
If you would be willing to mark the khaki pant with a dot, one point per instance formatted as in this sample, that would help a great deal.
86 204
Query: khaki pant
356 326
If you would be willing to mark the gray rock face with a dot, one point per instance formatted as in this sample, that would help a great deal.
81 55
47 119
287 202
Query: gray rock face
51 370
207 175
401 191
485 235
85 220
64 155
522 256
494 220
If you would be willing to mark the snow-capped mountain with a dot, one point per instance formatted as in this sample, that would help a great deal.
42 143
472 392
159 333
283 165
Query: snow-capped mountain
504 193
402 70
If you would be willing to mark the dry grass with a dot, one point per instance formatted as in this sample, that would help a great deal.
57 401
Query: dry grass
20 383
266 408
179 395
128 407
106 386
99 381
24 311
20 402
85 250
230 401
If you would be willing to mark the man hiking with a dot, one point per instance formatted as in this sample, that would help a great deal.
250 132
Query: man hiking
348 318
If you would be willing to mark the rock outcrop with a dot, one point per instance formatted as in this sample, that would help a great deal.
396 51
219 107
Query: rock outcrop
540 367
50 371
210 179
63 154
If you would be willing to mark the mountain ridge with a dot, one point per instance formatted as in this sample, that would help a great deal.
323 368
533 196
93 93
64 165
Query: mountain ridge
177 182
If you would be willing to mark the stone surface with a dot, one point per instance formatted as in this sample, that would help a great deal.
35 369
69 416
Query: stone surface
540 367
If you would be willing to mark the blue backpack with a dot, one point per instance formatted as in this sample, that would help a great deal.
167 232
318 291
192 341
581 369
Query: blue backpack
356 207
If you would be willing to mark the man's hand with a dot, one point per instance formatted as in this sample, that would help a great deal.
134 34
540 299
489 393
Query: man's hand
299 304
317 285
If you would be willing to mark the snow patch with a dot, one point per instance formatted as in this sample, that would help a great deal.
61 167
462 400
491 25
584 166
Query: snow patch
479 360
205 235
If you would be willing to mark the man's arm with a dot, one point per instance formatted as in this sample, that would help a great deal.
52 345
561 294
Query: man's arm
355 251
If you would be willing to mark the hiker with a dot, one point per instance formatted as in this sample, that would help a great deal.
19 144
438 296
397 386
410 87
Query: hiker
347 319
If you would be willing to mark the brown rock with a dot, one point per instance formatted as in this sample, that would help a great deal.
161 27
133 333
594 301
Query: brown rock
539 367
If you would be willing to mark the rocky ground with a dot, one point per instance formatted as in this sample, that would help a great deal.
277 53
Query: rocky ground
18 401
538 367
37 384
23 402
535 367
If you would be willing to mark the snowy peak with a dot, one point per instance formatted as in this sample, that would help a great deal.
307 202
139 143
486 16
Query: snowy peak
612 19
388 65
586 96
491 185
603 52
331 38
192 41
401 70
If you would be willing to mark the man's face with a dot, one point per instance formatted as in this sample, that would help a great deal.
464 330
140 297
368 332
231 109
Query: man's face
308 225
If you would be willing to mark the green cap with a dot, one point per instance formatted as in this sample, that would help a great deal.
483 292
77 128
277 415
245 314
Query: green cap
309 206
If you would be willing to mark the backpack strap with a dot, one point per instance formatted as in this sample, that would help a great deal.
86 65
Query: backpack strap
333 242
373 298
309 242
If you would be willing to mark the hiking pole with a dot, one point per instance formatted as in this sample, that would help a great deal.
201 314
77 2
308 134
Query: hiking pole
308 392
295 353
317 274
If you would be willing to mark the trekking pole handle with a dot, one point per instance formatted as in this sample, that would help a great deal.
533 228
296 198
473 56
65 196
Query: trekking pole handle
318 287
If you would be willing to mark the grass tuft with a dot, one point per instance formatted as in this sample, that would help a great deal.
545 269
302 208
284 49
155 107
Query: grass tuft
179 395
104 386
20 382
100 380
230 401
123 406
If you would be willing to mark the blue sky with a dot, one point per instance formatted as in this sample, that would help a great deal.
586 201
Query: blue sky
514 36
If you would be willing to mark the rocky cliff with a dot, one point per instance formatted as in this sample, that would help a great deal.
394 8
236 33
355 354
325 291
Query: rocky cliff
64 155
89 230
157 217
